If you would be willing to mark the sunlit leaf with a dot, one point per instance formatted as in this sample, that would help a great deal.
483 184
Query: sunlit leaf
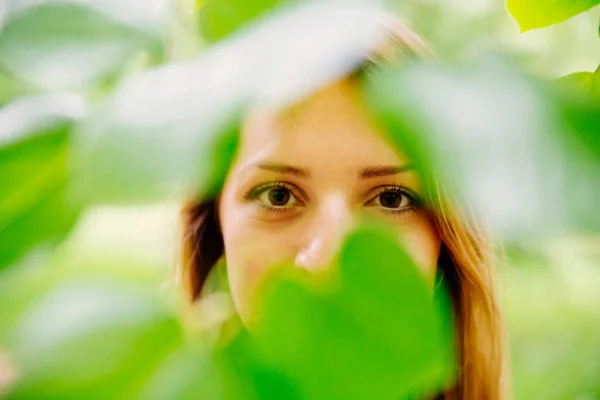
583 83
219 18
35 206
170 132
531 14
371 332
54 43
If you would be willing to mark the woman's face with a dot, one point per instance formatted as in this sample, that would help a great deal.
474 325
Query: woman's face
299 182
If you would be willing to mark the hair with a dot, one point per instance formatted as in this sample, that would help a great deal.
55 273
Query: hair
466 258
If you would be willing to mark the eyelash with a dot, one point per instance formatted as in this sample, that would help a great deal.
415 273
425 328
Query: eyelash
414 199
255 192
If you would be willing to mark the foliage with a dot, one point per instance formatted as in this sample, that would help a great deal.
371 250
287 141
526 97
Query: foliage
584 82
113 335
430 109
70 43
354 334
533 14
195 106
99 328
221 18
35 205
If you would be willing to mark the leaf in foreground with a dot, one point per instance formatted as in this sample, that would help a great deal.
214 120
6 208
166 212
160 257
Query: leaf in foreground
171 132
57 44
35 203
371 332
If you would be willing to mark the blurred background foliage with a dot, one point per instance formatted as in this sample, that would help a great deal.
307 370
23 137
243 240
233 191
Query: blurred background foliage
90 185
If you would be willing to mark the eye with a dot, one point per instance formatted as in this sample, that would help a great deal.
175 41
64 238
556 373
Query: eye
390 199
276 196
394 199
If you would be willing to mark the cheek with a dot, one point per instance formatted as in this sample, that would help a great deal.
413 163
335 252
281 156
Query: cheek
422 242
250 253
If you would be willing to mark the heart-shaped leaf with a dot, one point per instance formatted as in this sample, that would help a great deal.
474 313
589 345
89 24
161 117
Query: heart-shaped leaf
370 331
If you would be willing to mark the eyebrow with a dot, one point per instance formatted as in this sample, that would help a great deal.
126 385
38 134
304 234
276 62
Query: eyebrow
384 170
284 169
364 173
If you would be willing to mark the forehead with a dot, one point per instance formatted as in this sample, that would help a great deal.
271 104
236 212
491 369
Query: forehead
329 128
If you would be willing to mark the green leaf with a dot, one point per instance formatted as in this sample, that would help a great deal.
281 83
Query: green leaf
3 11
582 152
500 141
532 14
370 331
11 88
35 207
171 132
71 43
583 83
104 330
220 18
74 330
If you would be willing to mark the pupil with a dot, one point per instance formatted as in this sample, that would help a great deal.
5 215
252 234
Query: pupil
279 197
390 199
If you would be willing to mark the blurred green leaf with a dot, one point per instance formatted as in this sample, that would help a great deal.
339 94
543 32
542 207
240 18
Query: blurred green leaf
505 143
531 14
71 43
373 330
171 132
582 152
229 370
219 18
581 109
104 331
74 333
3 11
11 88
35 207
586 83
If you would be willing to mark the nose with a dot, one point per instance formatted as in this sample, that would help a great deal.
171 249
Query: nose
323 239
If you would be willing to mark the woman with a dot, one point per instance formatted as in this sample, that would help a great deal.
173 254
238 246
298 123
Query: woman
299 181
